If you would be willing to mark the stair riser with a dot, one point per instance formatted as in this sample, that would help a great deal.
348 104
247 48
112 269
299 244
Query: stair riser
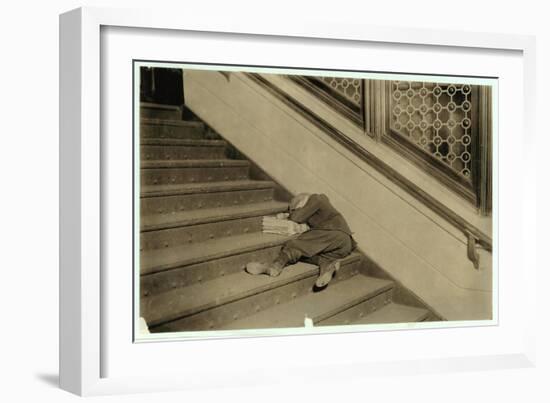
220 315
196 201
347 270
175 152
157 283
154 113
172 132
166 176
199 233
359 311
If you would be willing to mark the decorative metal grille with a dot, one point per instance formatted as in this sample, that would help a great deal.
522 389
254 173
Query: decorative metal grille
437 119
350 88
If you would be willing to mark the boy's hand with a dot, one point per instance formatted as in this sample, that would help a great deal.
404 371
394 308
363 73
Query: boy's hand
283 216
300 228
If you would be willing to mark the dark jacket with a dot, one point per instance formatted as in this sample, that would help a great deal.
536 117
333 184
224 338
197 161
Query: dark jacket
318 213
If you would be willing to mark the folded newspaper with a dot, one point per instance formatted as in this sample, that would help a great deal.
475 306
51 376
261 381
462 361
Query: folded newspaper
282 226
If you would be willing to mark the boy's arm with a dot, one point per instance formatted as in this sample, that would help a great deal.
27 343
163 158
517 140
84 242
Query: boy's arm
301 215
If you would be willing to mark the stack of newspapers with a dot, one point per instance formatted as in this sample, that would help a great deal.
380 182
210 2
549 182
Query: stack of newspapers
282 226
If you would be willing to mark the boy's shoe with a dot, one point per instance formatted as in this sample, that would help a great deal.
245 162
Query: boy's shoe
326 274
272 269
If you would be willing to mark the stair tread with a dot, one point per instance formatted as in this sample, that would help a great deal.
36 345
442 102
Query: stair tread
151 141
200 216
318 306
167 258
204 163
204 187
171 122
394 313
201 296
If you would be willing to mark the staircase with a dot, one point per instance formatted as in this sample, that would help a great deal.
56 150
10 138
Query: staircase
201 206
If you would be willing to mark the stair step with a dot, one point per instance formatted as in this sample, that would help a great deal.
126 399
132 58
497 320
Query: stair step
211 215
394 313
156 283
166 199
172 129
206 187
192 171
215 303
159 111
178 149
153 261
379 310
359 311
316 305
216 224
200 297
194 234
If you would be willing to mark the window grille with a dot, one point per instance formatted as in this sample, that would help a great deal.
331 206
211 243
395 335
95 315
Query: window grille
436 119
344 95
441 127
350 88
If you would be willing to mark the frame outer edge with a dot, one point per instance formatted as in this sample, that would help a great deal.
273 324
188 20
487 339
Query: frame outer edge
530 253
79 280
303 27
92 352
70 79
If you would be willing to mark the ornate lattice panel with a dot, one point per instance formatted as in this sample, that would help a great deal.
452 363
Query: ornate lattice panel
437 119
350 88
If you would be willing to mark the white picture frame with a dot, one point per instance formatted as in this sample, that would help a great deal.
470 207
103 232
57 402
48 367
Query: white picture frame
83 351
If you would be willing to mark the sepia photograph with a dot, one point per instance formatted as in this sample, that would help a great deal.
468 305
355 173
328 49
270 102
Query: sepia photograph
278 198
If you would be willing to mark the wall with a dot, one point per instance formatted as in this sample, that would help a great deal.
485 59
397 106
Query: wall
397 232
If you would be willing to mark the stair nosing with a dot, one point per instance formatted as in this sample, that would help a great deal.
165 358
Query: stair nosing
154 105
151 141
209 187
171 122
197 163
275 208
418 318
